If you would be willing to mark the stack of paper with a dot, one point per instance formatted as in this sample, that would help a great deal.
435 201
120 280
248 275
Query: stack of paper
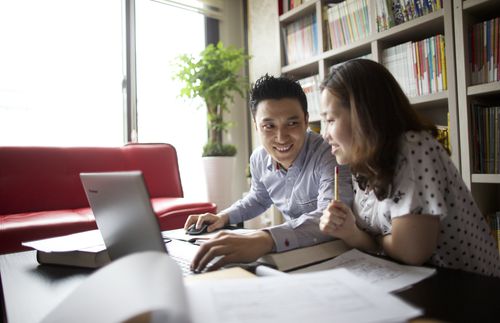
328 296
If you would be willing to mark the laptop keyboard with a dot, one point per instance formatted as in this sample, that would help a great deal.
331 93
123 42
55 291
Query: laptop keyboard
184 264
183 253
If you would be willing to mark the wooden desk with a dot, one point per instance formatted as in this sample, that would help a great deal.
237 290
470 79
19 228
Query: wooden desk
456 296
30 291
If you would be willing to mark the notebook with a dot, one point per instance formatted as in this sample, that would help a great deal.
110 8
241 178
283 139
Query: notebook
124 216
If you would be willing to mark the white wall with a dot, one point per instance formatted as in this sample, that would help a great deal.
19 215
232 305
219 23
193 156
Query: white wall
263 42
232 33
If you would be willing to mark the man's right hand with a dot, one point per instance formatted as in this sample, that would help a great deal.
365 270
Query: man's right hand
215 221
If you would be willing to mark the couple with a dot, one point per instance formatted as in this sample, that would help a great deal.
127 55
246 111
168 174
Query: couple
405 198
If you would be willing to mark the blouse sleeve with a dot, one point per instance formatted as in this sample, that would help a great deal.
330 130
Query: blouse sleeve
420 184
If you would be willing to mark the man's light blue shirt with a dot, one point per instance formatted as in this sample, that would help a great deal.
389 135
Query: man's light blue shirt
301 193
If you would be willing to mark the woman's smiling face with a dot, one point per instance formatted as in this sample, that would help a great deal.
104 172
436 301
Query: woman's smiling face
338 127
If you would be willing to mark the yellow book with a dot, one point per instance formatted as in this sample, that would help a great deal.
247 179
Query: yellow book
443 62
417 62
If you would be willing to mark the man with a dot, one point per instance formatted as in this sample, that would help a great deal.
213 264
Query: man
294 170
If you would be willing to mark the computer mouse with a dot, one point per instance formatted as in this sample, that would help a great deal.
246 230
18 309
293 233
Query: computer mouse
193 231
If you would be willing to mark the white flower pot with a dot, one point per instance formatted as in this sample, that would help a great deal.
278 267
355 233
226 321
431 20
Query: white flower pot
219 173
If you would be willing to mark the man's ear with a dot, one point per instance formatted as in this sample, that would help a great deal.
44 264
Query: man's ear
307 119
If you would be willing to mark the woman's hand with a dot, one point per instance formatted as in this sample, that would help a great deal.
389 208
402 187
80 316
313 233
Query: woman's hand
338 221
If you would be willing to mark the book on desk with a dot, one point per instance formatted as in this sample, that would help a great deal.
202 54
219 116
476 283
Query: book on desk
86 249
94 257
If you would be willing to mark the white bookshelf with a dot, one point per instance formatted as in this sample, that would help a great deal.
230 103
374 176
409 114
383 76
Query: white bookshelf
435 106
485 187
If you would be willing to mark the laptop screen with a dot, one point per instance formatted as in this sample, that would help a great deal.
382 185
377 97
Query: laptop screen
123 213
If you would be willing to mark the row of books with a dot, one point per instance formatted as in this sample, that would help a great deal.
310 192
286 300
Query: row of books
419 67
485 139
494 220
394 12
301 39
348 22
286 5
484 51
310 85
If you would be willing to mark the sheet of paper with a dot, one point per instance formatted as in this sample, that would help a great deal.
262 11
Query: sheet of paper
268 271
387 275
327 296
145 284
87 240
180 234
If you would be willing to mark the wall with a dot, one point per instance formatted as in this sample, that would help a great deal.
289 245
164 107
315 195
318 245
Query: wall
232 33
263 42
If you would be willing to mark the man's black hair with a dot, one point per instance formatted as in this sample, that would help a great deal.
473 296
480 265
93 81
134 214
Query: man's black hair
270 87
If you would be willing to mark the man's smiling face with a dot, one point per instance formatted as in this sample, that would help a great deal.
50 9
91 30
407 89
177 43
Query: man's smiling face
281 125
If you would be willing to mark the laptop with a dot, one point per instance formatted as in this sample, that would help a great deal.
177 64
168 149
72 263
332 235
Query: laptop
124 215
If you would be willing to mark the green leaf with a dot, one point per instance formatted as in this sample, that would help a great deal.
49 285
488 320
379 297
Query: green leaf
215 76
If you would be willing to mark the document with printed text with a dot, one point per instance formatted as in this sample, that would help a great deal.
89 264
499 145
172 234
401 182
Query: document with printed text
386 274
328 296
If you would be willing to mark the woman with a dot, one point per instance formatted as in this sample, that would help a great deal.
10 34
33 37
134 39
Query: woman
410 202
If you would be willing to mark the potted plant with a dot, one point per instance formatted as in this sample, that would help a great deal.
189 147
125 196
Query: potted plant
214 75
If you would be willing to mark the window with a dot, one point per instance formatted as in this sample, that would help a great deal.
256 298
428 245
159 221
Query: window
60 75
164 32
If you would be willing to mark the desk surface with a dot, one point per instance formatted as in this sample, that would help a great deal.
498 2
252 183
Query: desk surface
30 291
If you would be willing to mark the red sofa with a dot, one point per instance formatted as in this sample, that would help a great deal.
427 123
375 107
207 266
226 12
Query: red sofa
41 194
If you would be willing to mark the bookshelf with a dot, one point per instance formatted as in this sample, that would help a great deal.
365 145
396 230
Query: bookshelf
440 107
485 185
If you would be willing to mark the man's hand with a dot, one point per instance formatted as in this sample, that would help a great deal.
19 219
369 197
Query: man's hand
216 221
232 248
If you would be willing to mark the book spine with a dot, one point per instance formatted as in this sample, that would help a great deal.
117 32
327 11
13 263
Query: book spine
442 46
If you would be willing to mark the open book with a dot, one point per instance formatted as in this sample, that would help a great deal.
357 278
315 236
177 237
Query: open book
148 287
297 258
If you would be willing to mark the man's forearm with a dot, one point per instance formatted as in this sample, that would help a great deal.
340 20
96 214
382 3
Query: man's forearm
286 237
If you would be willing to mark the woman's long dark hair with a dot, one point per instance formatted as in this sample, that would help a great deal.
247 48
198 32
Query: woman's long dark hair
380 113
